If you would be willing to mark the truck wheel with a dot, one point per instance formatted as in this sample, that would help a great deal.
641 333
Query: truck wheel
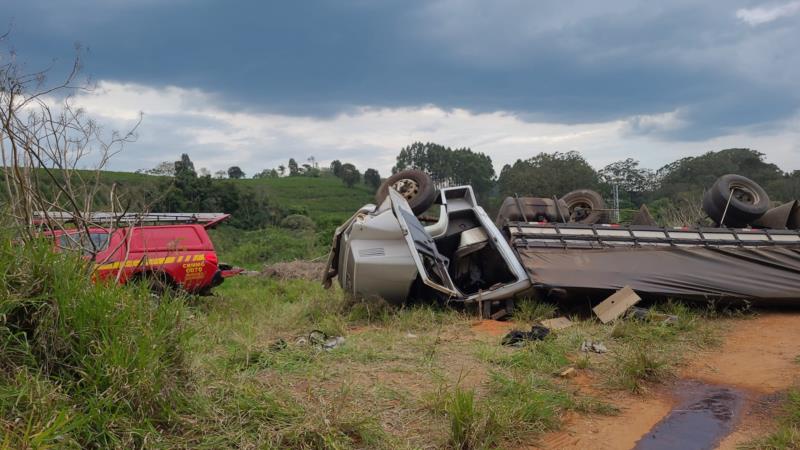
748 201
585 206
415 186
158 283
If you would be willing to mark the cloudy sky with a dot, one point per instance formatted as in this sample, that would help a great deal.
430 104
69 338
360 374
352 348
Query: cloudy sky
255 83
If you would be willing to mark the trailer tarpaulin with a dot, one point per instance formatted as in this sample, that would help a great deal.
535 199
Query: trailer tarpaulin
758 274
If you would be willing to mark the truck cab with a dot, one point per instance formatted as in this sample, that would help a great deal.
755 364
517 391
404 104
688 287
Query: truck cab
385 250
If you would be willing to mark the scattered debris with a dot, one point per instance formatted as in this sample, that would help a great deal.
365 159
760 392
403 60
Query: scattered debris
278 345
568 373
320 339
294 270
499 314
592 346
646 314
558 323
516 338
333 342
616 305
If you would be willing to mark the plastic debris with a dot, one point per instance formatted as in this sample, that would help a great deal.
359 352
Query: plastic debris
332 343
592 346
646 314
320 339
517 338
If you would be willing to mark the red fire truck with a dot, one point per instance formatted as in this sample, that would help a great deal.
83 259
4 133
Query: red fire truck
166 250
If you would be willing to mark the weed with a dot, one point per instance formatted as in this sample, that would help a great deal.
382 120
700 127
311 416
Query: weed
636 366
530 310
472 424
96 364
787 436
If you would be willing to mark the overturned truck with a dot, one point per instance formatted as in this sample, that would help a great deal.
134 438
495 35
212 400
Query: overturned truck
558 248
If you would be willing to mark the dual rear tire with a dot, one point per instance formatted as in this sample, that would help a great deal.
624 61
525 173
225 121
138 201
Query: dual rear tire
735 201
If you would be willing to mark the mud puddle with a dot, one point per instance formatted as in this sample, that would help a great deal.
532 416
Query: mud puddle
705 414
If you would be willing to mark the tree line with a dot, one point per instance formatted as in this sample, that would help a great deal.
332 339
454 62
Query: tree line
556 173
542 175
347 172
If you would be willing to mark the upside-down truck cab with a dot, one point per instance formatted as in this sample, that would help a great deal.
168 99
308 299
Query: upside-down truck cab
386 251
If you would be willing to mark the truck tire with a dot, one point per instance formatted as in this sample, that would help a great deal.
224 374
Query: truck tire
585 206
748 201
158 283
415 186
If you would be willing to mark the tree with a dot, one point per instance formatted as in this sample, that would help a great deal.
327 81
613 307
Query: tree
548 175
184 165
220 174
630 179
350 175
267 173
44 139
372 178
448 166
203 172
282 169
294 169
235 173
163 169
336 168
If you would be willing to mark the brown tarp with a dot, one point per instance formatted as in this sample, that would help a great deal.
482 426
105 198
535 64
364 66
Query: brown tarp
763 274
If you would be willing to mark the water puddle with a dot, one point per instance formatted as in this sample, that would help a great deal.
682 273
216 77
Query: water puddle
704 415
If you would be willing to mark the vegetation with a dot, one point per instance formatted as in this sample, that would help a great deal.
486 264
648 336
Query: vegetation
448 166
87 365
787 436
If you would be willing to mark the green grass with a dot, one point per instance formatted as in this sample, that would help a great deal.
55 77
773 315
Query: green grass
84 364
325 199
253 249
787 436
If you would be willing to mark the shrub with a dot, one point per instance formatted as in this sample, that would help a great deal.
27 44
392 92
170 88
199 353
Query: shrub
297 222
83 364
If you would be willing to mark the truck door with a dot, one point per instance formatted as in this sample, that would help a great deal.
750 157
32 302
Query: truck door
431 265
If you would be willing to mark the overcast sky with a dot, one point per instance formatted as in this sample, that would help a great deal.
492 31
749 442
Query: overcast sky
255 83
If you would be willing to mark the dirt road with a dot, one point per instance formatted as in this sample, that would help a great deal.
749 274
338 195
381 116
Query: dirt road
758 358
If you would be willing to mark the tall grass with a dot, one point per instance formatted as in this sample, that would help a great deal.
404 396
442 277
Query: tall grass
83 365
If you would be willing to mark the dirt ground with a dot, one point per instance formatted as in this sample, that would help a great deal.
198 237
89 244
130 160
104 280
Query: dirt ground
295 270
758 357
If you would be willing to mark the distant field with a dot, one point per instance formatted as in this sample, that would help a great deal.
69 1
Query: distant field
325 199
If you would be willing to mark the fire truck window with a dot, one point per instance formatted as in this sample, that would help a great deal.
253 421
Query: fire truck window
78 241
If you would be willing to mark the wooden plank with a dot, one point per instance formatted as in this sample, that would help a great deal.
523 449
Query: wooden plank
616 305
559 323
